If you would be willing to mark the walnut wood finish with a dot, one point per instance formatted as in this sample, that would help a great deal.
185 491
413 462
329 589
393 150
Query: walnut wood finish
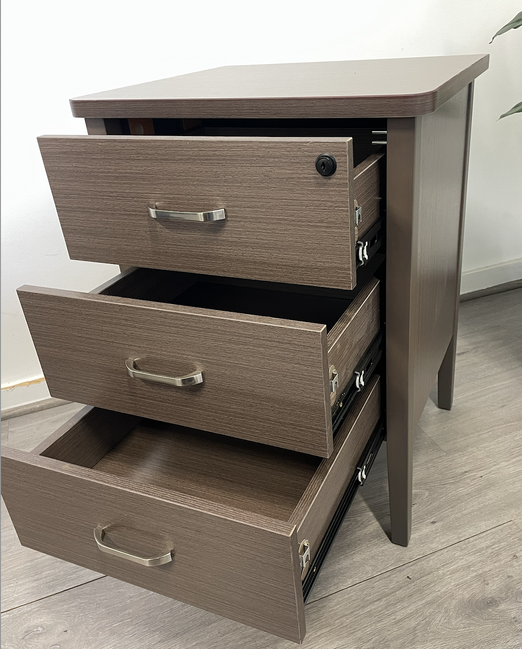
258 372
167 487
426 162
145 482
284 221
266 379
235 473
446 375
87 437
335 89
244 568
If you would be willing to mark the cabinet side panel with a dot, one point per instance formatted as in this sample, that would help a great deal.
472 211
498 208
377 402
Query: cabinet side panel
441 148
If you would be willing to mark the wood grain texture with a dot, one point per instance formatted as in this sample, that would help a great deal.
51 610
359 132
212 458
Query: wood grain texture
361 130
441 165
367 191
264 379
400 250
27 431
28 575
244 475
457 495
248 572
353 333
87 437
164 486
467 481
446 374
336 89
285 222
325 490
425 163
471 589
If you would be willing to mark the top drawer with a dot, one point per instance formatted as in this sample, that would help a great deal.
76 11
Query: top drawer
283 220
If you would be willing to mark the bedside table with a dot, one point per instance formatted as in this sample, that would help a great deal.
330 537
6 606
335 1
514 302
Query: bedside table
294 234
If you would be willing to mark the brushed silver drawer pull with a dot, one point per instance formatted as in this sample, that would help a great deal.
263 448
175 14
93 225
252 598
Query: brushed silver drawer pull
179 381
212 215
99 533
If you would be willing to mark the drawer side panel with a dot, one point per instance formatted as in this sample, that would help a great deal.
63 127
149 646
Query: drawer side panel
329 483
367 192
353 333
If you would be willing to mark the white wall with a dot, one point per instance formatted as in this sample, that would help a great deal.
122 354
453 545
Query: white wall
59 49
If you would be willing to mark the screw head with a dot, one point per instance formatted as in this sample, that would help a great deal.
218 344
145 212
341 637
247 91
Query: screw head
326 164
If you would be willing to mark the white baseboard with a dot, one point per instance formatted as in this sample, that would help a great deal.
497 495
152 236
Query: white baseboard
481 278
27 392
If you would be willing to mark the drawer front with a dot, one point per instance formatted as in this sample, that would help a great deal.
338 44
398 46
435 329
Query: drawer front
230 561
283 222
244 570
264 379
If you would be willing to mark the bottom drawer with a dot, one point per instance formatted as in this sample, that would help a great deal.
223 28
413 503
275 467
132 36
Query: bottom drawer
224 524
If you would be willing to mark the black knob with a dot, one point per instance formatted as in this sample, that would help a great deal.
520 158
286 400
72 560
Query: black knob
326 164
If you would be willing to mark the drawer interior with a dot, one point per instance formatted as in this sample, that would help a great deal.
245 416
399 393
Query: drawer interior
231 472
236 296
369 135
236 525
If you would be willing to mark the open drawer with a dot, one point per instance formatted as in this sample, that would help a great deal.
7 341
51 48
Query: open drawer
249 207
223 524
253 360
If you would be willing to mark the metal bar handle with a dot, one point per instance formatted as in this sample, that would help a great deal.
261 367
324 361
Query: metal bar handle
171 215
178 381
99 533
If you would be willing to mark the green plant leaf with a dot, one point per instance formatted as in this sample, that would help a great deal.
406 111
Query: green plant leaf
512 24
517 108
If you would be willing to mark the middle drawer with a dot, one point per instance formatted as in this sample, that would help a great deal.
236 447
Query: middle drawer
247 359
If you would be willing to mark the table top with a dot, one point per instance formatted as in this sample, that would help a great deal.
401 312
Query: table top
335 89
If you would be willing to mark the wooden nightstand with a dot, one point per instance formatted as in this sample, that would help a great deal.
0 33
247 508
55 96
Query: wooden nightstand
295 236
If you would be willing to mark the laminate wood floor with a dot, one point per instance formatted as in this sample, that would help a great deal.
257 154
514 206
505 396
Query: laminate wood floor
457 586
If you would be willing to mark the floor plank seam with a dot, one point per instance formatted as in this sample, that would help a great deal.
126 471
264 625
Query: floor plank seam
433 440
59 592
406 563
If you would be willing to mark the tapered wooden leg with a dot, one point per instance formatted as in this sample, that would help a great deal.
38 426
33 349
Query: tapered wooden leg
426 185
446 376
399 369
400 436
